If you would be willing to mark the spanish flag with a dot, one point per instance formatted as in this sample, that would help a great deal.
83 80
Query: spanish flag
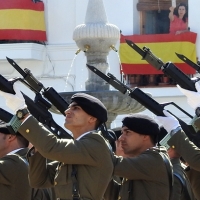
22 20
163 46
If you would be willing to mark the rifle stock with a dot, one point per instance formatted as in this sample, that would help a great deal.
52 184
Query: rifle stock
5 85
39 109
178 76
5 116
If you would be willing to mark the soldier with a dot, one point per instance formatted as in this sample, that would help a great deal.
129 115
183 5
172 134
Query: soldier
193 99
14 183
86 164
178 140
13 168
181 187
147 170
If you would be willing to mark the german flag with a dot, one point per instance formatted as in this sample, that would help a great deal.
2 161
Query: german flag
22 20
163 46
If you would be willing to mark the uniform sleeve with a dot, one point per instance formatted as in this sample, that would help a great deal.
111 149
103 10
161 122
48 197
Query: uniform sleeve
7 165
189 152
83 151
197 122
41 175
142 167
112 191
194 178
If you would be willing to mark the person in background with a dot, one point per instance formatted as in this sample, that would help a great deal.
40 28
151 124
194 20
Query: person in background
14 182
178 19
193 99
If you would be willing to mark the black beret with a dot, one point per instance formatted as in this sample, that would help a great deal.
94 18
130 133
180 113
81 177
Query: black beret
142 124
4 129
91 105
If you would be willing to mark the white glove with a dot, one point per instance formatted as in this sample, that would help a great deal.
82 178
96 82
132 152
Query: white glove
14 101
193 98
169 122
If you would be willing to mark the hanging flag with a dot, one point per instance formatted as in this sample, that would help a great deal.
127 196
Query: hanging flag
22 20
163 46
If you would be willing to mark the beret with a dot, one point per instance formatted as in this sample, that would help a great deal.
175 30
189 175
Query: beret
142 124
4 129
91 105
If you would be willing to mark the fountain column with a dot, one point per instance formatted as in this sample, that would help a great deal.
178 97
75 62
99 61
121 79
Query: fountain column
96 37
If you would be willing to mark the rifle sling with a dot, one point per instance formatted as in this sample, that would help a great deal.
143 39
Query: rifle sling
75 188
169 172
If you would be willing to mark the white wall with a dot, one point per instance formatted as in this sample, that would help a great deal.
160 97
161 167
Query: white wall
194 21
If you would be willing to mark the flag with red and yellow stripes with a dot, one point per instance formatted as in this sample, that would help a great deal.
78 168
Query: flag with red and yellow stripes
163 46
22 20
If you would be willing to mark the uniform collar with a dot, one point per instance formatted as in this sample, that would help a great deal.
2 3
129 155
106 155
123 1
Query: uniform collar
14 151
84 134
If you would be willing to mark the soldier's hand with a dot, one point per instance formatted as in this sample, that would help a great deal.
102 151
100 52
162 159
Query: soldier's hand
14 101
193 98
169 122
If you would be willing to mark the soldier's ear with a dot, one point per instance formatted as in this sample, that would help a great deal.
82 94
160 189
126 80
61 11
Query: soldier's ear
11 137
92 119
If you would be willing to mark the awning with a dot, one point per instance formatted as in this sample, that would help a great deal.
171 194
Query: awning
163 46
22 20
145 5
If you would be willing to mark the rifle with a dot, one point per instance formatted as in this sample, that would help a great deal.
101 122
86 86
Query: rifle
38 108
148 102
5 116
49 93
168 68
189 62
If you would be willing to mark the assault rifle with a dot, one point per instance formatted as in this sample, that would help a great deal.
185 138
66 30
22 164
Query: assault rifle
189 62
149 103
5 116
49 93
38 108
168 68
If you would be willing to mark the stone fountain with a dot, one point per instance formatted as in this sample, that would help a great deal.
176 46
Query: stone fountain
96 37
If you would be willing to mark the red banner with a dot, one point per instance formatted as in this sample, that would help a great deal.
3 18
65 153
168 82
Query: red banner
22 20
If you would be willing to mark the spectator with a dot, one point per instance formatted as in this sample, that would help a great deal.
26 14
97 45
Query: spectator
178 19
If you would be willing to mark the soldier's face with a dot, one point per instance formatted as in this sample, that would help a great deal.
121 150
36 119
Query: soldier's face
76 117
3 144
131 142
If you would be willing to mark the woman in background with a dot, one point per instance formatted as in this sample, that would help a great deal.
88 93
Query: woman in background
178 19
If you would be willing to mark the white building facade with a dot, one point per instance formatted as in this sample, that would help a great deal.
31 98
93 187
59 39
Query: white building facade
56 64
